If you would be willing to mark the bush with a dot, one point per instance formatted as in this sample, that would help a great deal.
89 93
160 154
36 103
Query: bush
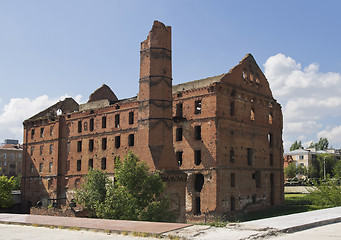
326 194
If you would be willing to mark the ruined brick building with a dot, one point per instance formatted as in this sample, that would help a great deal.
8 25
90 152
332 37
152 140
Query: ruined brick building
217 141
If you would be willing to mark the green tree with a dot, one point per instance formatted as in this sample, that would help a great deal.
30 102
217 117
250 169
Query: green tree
296 145
6 187
290 171
136 194
337 169
94 191
17 182
322 144
328 161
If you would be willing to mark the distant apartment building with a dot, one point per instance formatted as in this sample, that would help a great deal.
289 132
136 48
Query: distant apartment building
10 158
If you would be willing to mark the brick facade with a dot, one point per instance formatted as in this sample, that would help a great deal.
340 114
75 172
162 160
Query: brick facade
217 141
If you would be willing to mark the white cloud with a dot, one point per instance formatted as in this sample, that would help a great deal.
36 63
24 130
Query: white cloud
309 99
19 109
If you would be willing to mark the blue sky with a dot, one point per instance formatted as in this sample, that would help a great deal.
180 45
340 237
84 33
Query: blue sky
53 49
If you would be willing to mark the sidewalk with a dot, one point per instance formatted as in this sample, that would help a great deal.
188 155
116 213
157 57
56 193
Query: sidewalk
92 223
247 230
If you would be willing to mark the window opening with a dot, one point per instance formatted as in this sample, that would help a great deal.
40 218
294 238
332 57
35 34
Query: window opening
91 124
179 110
104 163
32 133
91 145
79 165
41 150
117 142
51 149
249 156
50 166
233 180
197 157
79 146
179 158
199 182
79 126
91 163
231 155
271 159
117 120
270 117
270 140
104 143
131 140
40 167
197 206
41 132
197 133
131 118
233 204
104 122
178 136
231 109
197 107
252 114
51 131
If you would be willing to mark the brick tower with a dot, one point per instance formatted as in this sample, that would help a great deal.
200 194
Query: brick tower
155 100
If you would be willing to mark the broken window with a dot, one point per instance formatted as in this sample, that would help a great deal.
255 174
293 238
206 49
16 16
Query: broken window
257 177
233 203
179 110
68 147
50 166
91 124
252 114
197 206
79 126
41 150
233 180
104 143
197 157
79 165
231 109
179 158
270 140
249 156
104 122
41 132
40 167
117 120
199 182
178 134
85 126
104 163
91 163
131 118
91 145
254 198
117 142
131 140
32 150
231 155
32 133
31 168
197 132
270 117
51 149
197 107
51 131
271 159
79 146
